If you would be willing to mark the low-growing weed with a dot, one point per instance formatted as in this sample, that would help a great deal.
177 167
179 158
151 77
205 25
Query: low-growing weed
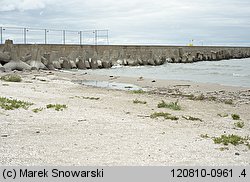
235 116
11 104
231 139
191 118
164 115
11 78
239 124
137 92
36 110
57 107
136 101
171 105
204 136
223 115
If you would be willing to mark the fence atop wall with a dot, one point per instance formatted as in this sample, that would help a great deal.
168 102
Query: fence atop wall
53 36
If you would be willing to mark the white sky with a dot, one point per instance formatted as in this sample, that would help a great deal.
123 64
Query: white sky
213 22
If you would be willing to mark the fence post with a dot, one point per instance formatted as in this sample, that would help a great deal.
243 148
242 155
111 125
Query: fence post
24 35
83 37
63 36
1 31
80 37
95 37
108 37
45 36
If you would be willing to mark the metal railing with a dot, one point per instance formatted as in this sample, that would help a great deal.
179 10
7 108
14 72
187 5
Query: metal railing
52 36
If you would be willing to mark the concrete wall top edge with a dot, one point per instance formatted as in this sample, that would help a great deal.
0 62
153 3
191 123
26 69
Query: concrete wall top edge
153 46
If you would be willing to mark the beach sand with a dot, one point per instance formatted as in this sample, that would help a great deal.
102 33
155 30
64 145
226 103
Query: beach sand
114 131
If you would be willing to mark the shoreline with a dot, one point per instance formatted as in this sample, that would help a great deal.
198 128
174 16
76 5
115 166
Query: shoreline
112 130
134 80
175 88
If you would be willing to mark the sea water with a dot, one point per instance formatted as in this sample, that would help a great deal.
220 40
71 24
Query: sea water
235 72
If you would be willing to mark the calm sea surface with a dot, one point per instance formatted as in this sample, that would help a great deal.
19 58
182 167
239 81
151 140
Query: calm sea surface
226 72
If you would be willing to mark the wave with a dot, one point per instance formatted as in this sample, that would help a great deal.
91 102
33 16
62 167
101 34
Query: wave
240 75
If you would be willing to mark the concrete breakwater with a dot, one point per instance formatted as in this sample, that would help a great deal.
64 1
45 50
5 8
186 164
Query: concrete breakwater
40 56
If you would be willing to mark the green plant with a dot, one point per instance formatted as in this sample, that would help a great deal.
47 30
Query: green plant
191 118
248 145
138 91
136 101
200 97
231 139
204 136
230 101
11 104
36 110
11 78
239 124
57 107
235 116
91 98
128 87
164 115
223 115
171 105
212 98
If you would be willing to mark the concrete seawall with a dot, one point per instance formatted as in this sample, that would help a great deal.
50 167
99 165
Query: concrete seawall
104 56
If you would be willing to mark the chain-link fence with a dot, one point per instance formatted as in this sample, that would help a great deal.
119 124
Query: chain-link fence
53 36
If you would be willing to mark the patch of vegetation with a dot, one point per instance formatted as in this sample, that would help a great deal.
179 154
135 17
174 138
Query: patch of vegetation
91 98
57 107
137 91
199 97
231 139
239 124
223 115
11 78
235 116
204 136
212 98
4 84
128 87
248 145
36 110
11 104
83 97
171 105
229 102
136 101
164 115
191 118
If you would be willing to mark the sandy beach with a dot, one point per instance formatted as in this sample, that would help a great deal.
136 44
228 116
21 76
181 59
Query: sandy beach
104 127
